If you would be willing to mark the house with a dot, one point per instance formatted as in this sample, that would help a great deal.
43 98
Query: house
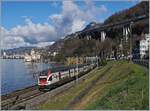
144 46
33 56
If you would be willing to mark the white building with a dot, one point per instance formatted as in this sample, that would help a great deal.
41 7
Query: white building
4 54
33 56
27 58
54 53
144 45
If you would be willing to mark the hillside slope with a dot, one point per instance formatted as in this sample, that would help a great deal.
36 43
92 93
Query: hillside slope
139 9
118 85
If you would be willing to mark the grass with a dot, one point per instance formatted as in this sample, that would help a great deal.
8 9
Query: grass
61 101
123 86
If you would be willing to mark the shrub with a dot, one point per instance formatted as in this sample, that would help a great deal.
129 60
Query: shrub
103 62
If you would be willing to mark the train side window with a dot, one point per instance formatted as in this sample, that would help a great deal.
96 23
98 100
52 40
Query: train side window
50 79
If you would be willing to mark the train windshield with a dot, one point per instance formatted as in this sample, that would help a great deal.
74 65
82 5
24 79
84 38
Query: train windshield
43 80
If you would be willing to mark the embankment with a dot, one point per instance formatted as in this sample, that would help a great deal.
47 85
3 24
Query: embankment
118 85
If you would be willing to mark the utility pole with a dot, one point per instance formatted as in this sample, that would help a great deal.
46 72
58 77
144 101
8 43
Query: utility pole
131 41
121 47
97 60
77 69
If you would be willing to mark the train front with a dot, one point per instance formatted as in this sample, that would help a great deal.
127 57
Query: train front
44 80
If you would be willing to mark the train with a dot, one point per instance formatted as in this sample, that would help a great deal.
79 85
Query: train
55 77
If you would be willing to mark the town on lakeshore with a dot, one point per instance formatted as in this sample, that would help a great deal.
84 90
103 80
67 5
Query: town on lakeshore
75 55
140 52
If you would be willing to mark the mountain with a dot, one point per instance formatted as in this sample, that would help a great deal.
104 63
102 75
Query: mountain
20 50
56 46
139 9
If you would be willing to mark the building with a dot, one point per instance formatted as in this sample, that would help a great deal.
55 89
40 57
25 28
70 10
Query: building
27 58
4 54
53 53
33 56
144 46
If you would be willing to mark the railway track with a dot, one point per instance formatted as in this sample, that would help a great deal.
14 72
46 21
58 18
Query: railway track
9 101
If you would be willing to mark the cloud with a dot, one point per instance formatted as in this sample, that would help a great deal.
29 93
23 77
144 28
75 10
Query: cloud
71 19
64 23
43 44
93 10
30 34
77 25
16 41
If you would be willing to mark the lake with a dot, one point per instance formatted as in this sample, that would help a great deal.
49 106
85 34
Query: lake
17 74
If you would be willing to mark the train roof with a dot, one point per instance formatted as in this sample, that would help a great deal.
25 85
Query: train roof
61 68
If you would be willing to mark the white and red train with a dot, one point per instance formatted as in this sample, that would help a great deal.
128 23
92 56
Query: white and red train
48 78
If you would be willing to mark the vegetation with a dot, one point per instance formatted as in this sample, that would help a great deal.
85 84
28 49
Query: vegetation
74 47
78 47
130 93
138 10
74 60
103 62
118 85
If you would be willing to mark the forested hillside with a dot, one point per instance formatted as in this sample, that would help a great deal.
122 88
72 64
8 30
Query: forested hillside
138 10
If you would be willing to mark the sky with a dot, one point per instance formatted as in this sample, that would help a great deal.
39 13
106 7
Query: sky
40 23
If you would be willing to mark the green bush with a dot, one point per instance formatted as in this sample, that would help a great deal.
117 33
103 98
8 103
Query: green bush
103 62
